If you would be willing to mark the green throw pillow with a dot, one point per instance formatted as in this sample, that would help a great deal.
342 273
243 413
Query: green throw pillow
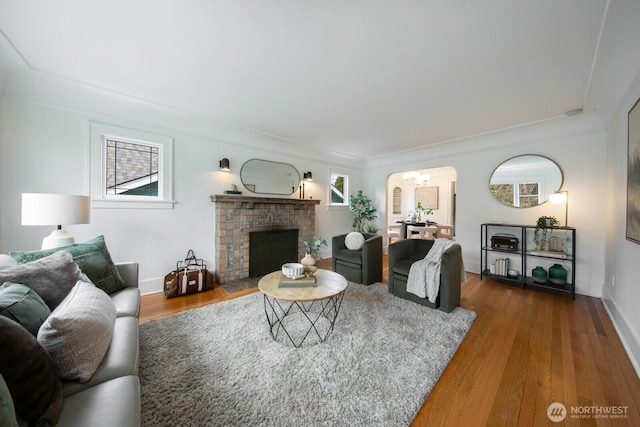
102 247
22 304
92 257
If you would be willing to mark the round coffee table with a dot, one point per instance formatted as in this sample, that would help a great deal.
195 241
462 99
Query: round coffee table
292 309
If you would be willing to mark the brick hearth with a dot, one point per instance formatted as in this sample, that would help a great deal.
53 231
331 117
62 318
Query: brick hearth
237 216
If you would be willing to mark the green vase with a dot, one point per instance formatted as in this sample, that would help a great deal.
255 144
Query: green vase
558 274
539 275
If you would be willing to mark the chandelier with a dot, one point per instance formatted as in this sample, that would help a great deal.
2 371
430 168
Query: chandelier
415 179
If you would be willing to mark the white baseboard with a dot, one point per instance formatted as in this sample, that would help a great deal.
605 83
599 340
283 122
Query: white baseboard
151 286
628 337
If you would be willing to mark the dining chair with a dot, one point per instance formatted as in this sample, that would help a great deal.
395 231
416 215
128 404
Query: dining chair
445 231
393 232
418 232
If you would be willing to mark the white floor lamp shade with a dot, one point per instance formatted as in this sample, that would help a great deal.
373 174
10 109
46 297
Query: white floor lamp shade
55 209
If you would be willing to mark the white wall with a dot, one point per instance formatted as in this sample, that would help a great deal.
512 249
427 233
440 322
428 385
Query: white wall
621 292
577 144
44 147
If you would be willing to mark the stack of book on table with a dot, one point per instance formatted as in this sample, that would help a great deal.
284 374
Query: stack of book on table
302 282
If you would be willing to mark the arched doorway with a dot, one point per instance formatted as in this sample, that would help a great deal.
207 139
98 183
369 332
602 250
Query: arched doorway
437 193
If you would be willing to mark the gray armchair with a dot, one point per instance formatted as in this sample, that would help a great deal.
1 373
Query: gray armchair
403 253
359 266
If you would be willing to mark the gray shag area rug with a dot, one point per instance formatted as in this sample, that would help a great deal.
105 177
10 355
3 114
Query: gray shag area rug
219 366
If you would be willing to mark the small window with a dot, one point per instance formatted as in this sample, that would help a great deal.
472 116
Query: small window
339 190
397 201
130 169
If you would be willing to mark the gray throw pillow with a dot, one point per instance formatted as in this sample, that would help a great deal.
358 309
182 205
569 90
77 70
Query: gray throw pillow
23 305
52 277
30 375
92 257
78 332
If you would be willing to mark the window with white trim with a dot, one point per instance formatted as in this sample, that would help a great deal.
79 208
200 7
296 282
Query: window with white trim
339 190
130 169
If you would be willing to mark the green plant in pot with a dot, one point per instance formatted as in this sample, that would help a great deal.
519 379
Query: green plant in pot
312 248
544 227
363 210
313 245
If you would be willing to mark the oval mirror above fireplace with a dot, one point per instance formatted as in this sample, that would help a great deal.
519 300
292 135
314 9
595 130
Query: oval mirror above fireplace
267 177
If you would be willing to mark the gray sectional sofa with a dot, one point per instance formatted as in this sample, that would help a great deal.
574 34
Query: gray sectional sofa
111 396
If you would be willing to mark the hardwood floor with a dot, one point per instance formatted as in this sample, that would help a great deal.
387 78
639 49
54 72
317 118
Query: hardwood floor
525 350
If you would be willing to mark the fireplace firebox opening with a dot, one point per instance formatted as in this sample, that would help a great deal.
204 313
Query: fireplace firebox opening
268 250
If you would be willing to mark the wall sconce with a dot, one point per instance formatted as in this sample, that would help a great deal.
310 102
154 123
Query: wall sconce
224 164
55 209
416 179
306 177
559 198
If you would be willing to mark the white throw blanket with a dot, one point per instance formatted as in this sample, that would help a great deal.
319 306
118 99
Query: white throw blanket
424 275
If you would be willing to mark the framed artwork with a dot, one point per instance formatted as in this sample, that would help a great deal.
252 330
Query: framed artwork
428 196
633 175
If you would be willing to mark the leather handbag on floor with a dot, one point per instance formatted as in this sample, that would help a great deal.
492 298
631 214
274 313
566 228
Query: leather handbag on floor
190 276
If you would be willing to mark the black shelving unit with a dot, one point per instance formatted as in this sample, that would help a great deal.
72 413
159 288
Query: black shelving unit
524 254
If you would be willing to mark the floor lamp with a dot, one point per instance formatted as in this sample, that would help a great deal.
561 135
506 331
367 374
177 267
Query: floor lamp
55 209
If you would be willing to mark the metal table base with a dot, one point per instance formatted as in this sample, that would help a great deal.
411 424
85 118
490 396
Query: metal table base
277 311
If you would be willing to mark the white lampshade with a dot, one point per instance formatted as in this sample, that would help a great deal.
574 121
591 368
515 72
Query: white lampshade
558 198
561 197
55 209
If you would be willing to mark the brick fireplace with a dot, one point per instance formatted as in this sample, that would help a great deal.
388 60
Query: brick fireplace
237 216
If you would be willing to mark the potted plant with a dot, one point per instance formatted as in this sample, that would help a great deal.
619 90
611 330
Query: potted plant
313 245
372 229
423 212
363 210
544 225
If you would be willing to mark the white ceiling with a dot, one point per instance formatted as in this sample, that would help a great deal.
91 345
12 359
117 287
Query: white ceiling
362 78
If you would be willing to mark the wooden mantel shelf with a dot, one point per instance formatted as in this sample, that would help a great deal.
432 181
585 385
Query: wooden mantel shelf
248 202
